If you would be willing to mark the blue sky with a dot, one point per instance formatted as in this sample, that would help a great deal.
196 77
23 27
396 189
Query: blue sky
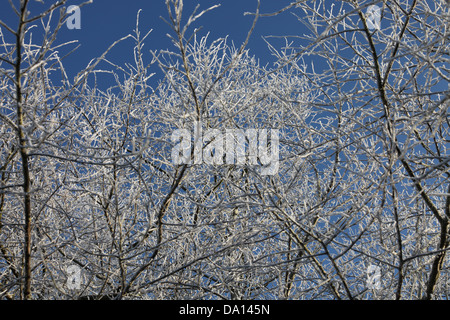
105 21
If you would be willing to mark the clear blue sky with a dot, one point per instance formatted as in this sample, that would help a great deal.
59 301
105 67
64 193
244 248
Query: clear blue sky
105 21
